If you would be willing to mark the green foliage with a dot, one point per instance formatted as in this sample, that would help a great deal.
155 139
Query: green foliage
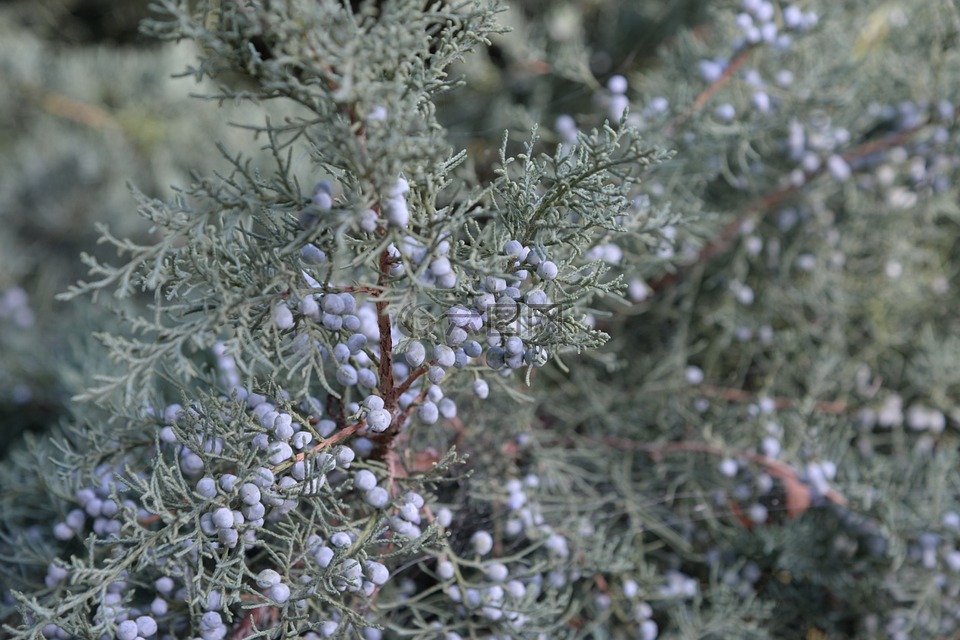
732 411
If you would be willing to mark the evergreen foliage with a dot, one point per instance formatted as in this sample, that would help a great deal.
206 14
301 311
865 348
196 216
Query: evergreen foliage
678 361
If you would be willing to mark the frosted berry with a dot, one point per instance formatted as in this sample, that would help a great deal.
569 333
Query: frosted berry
444 355
482 542
616 84
444 517
436 374
373 403
428 412
512 247
378 498
377 573
481 389
227 481
267 578
127 630
250 493
364 480
415 354
146 626
223 518
445 570
378 420
282 317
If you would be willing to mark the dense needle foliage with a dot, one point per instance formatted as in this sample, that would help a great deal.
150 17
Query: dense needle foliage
555 320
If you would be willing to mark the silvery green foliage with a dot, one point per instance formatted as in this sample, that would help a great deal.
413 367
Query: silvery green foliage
766 447
249 465
801 352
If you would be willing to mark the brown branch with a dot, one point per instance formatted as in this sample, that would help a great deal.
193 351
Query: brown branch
764 205
261 616
81 112
405 385
387 390
833 407
714 87
711 90
798 492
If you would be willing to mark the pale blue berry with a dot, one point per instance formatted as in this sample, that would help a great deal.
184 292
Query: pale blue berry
345 456
397 213
323 556
494 284
223 518
367 378
332 321
482 542
557 544
279 452
428 412
341 353
512 247
250 493
326 427
283 427
513 345
341 539
377 497
444 517
159 607
267 578
373 402
349 302
547 270
472 348
415 353
497 571
648 630
164 585
253 511
496 357
207 487
445 570
228 537
146 626
127 630
410 513
356 342
282 317
616 84
347 375
729 467
364 480
436 374
227 482
190 463
301 440
76 518
377 573
456 336
308 306
440 267
332 303
481 389
378 420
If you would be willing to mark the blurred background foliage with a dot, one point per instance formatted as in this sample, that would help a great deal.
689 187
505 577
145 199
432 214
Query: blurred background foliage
90 107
